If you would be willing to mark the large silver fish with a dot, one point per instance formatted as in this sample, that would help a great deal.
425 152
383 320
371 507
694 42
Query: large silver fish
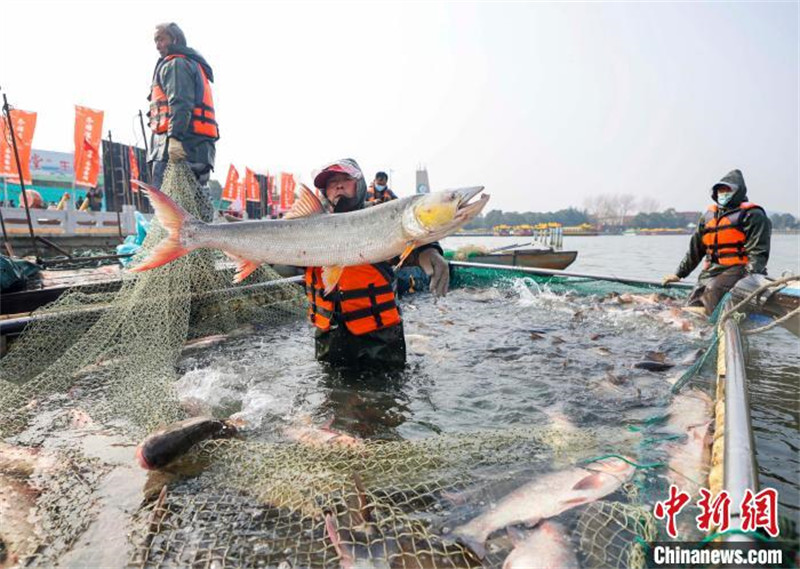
690 414
546 497
308 237
546 547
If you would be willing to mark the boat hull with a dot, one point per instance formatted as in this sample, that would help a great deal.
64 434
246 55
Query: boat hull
540 259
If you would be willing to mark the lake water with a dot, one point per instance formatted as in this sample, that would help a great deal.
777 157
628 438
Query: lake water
774 362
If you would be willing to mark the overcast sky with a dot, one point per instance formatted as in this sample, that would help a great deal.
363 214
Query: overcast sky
543 103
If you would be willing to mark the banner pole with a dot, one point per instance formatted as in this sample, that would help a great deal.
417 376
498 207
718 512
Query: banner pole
7 113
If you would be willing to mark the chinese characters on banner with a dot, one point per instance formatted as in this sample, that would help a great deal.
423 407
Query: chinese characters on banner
287 190
252 191
88 132
134 168
24 124
229 192
758 511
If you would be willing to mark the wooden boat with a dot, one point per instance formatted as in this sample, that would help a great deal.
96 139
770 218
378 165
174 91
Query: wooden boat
538 258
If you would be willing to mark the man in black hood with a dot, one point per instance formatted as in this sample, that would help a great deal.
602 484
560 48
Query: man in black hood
182 117
734 237
359 321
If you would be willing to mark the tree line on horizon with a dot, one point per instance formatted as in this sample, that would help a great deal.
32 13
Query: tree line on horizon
621 211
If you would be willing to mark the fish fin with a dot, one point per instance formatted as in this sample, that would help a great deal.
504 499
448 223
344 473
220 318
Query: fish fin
331 276
406 252
575 501
244 269
172 217
346 560
364 506
306 205
475 545
589 482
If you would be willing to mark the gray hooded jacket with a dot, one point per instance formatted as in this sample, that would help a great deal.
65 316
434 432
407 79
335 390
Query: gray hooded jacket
756 226
182 83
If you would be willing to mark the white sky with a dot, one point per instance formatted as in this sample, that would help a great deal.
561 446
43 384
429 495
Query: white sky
543 103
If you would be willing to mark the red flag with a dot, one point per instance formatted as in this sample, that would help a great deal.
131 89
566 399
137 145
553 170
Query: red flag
251 184
134 168
229 193
24 123
287 190
88 132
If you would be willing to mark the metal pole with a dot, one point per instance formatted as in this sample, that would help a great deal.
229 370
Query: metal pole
16 325
117 206
146 151
557 273
740 471
7 113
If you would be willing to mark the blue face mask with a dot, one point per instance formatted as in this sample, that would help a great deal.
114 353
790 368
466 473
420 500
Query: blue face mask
380 188
724 198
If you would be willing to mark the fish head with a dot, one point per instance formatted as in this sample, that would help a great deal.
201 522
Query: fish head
617 467
436 215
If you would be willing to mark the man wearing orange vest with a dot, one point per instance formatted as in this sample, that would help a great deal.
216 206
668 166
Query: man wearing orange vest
378 191
359 321
182 117
734 237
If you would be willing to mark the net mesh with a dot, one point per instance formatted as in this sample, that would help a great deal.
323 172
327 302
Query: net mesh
246 503
129 341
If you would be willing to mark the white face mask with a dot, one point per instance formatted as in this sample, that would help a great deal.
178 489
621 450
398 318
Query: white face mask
724 198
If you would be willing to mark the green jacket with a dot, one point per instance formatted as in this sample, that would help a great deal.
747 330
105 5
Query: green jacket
182 83
756 226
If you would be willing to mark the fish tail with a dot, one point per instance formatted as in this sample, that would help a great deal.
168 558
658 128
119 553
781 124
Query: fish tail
173 218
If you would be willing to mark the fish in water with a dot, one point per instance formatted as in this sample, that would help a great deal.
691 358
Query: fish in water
654 361
546 547
653 366
171 442
308 237
690 414
307 433
546 497
18 536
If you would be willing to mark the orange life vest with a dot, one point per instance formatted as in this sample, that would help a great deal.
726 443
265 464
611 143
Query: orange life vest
363 300
375 195
203 119
724 236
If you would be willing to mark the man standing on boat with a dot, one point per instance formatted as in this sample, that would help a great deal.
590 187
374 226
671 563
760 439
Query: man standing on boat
359 321
182 118
734 237
378 191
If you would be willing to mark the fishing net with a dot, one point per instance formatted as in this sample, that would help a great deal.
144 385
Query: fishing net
112 355
129 340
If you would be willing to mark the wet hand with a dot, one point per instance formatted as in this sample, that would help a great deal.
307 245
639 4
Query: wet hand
438 269
669 279
176 151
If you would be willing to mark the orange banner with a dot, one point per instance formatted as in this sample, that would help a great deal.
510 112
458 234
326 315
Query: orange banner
134 167
253 190
230 189
24 124
241 193
88 132
287 190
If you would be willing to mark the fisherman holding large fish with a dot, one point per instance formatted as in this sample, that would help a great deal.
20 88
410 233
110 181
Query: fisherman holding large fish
349 252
